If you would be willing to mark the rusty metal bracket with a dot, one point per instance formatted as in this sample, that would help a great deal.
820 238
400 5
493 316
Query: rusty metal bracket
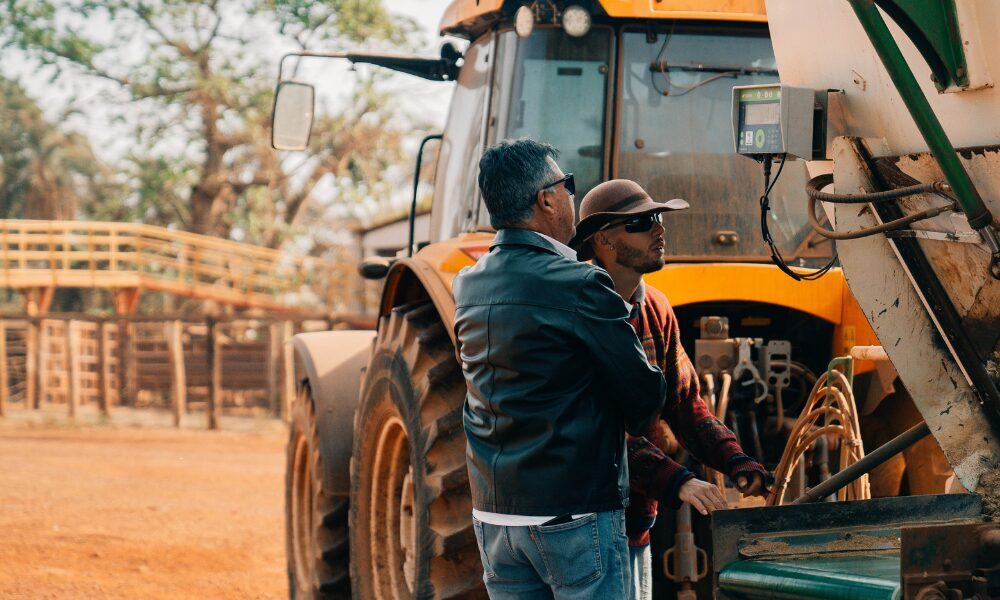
969 237
952 560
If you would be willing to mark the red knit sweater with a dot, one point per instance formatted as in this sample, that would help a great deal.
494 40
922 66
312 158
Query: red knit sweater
653 475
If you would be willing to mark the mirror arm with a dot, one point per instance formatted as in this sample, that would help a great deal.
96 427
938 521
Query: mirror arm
435 69
281 63
416 186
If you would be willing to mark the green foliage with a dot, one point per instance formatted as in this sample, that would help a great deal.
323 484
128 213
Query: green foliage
199 76
310 22
45 173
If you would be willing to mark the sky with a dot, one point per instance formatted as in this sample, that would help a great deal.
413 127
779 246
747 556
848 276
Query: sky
426 12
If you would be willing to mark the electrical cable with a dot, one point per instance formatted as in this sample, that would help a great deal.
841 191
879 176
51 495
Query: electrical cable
765 208
814 185
661 61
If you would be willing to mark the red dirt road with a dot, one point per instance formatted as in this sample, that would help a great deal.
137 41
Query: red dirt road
102 512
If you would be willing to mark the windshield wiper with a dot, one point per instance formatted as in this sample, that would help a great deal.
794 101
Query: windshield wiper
658 67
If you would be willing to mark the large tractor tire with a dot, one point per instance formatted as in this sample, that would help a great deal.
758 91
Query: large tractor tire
411 511
316 534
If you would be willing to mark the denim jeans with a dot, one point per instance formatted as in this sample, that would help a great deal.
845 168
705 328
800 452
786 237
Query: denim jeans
642 572
586 558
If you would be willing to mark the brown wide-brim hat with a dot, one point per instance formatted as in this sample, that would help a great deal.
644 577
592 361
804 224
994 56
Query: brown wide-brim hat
613 201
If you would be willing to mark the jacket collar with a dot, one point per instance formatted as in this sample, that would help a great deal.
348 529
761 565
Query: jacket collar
510 236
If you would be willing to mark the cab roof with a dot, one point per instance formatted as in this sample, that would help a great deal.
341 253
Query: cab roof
469 18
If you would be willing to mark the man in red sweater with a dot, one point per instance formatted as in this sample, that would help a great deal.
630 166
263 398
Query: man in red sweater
620 229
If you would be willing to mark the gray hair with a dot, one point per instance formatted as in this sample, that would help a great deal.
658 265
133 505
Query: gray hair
510 174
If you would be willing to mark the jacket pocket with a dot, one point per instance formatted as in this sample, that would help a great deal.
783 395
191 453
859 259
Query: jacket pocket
571 551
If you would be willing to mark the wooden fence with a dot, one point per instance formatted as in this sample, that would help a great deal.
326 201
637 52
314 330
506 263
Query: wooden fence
234 366
53 254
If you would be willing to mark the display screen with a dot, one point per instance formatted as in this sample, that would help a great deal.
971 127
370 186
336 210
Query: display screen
761 113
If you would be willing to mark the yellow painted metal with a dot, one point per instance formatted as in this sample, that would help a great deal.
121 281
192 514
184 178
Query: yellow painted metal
710 282
461 14
713 10
853 330
447 258
828 298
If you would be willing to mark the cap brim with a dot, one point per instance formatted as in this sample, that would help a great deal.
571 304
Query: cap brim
593 223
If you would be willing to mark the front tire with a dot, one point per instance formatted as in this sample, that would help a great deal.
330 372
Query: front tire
411 509
316 534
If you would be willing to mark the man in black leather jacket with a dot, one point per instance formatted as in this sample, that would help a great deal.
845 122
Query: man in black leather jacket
555 376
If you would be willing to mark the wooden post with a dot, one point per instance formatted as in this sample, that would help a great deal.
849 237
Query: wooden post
73 352
4 379
214 352
103 380
43 364
38 301
274 365
31 365
126 358
178 377
288 374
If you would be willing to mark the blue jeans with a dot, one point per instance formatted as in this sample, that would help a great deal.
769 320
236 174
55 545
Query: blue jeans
642 572
586 558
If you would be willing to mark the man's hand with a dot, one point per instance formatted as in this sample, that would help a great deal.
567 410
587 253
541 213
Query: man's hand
751 484
703 496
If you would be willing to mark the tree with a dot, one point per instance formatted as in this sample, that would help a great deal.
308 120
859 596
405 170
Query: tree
45 173
200 79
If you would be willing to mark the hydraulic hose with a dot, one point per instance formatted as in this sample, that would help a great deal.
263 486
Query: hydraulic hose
723 404
708 384
819 182
812 189
779 405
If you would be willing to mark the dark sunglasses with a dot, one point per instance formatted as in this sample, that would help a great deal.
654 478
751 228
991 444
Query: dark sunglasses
640 224
566 179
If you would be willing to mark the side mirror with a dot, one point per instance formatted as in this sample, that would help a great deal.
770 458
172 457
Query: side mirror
292 117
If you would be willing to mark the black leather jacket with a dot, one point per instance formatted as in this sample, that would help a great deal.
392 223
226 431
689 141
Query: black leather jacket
555 377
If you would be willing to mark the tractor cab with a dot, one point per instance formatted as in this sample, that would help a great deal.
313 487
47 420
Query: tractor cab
622 92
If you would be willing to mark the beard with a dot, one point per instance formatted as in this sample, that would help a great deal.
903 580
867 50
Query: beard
638 260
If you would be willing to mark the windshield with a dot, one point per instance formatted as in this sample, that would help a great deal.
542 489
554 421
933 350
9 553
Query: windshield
558 95
675 139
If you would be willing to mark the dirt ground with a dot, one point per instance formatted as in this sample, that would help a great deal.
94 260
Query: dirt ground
130 511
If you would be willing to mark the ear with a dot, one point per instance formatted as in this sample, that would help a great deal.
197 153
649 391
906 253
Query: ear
602 238
544 202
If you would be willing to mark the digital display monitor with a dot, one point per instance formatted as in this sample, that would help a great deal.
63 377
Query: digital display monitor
763 113
777 119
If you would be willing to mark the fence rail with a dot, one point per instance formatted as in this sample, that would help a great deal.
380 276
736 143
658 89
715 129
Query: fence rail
38 254
236 366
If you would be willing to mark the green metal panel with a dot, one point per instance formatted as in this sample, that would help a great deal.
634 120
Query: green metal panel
829 578
932 25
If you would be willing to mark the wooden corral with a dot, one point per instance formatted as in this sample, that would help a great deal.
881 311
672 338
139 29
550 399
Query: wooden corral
37 257
239 366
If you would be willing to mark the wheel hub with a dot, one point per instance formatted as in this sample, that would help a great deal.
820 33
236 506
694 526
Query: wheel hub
408 532
391 520
303 539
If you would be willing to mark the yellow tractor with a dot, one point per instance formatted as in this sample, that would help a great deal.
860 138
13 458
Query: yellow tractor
378 503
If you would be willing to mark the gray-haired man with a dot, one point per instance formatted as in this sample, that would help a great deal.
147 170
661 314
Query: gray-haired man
555 376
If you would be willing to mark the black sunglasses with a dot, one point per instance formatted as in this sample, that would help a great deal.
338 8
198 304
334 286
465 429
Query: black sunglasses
639 224
567 179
